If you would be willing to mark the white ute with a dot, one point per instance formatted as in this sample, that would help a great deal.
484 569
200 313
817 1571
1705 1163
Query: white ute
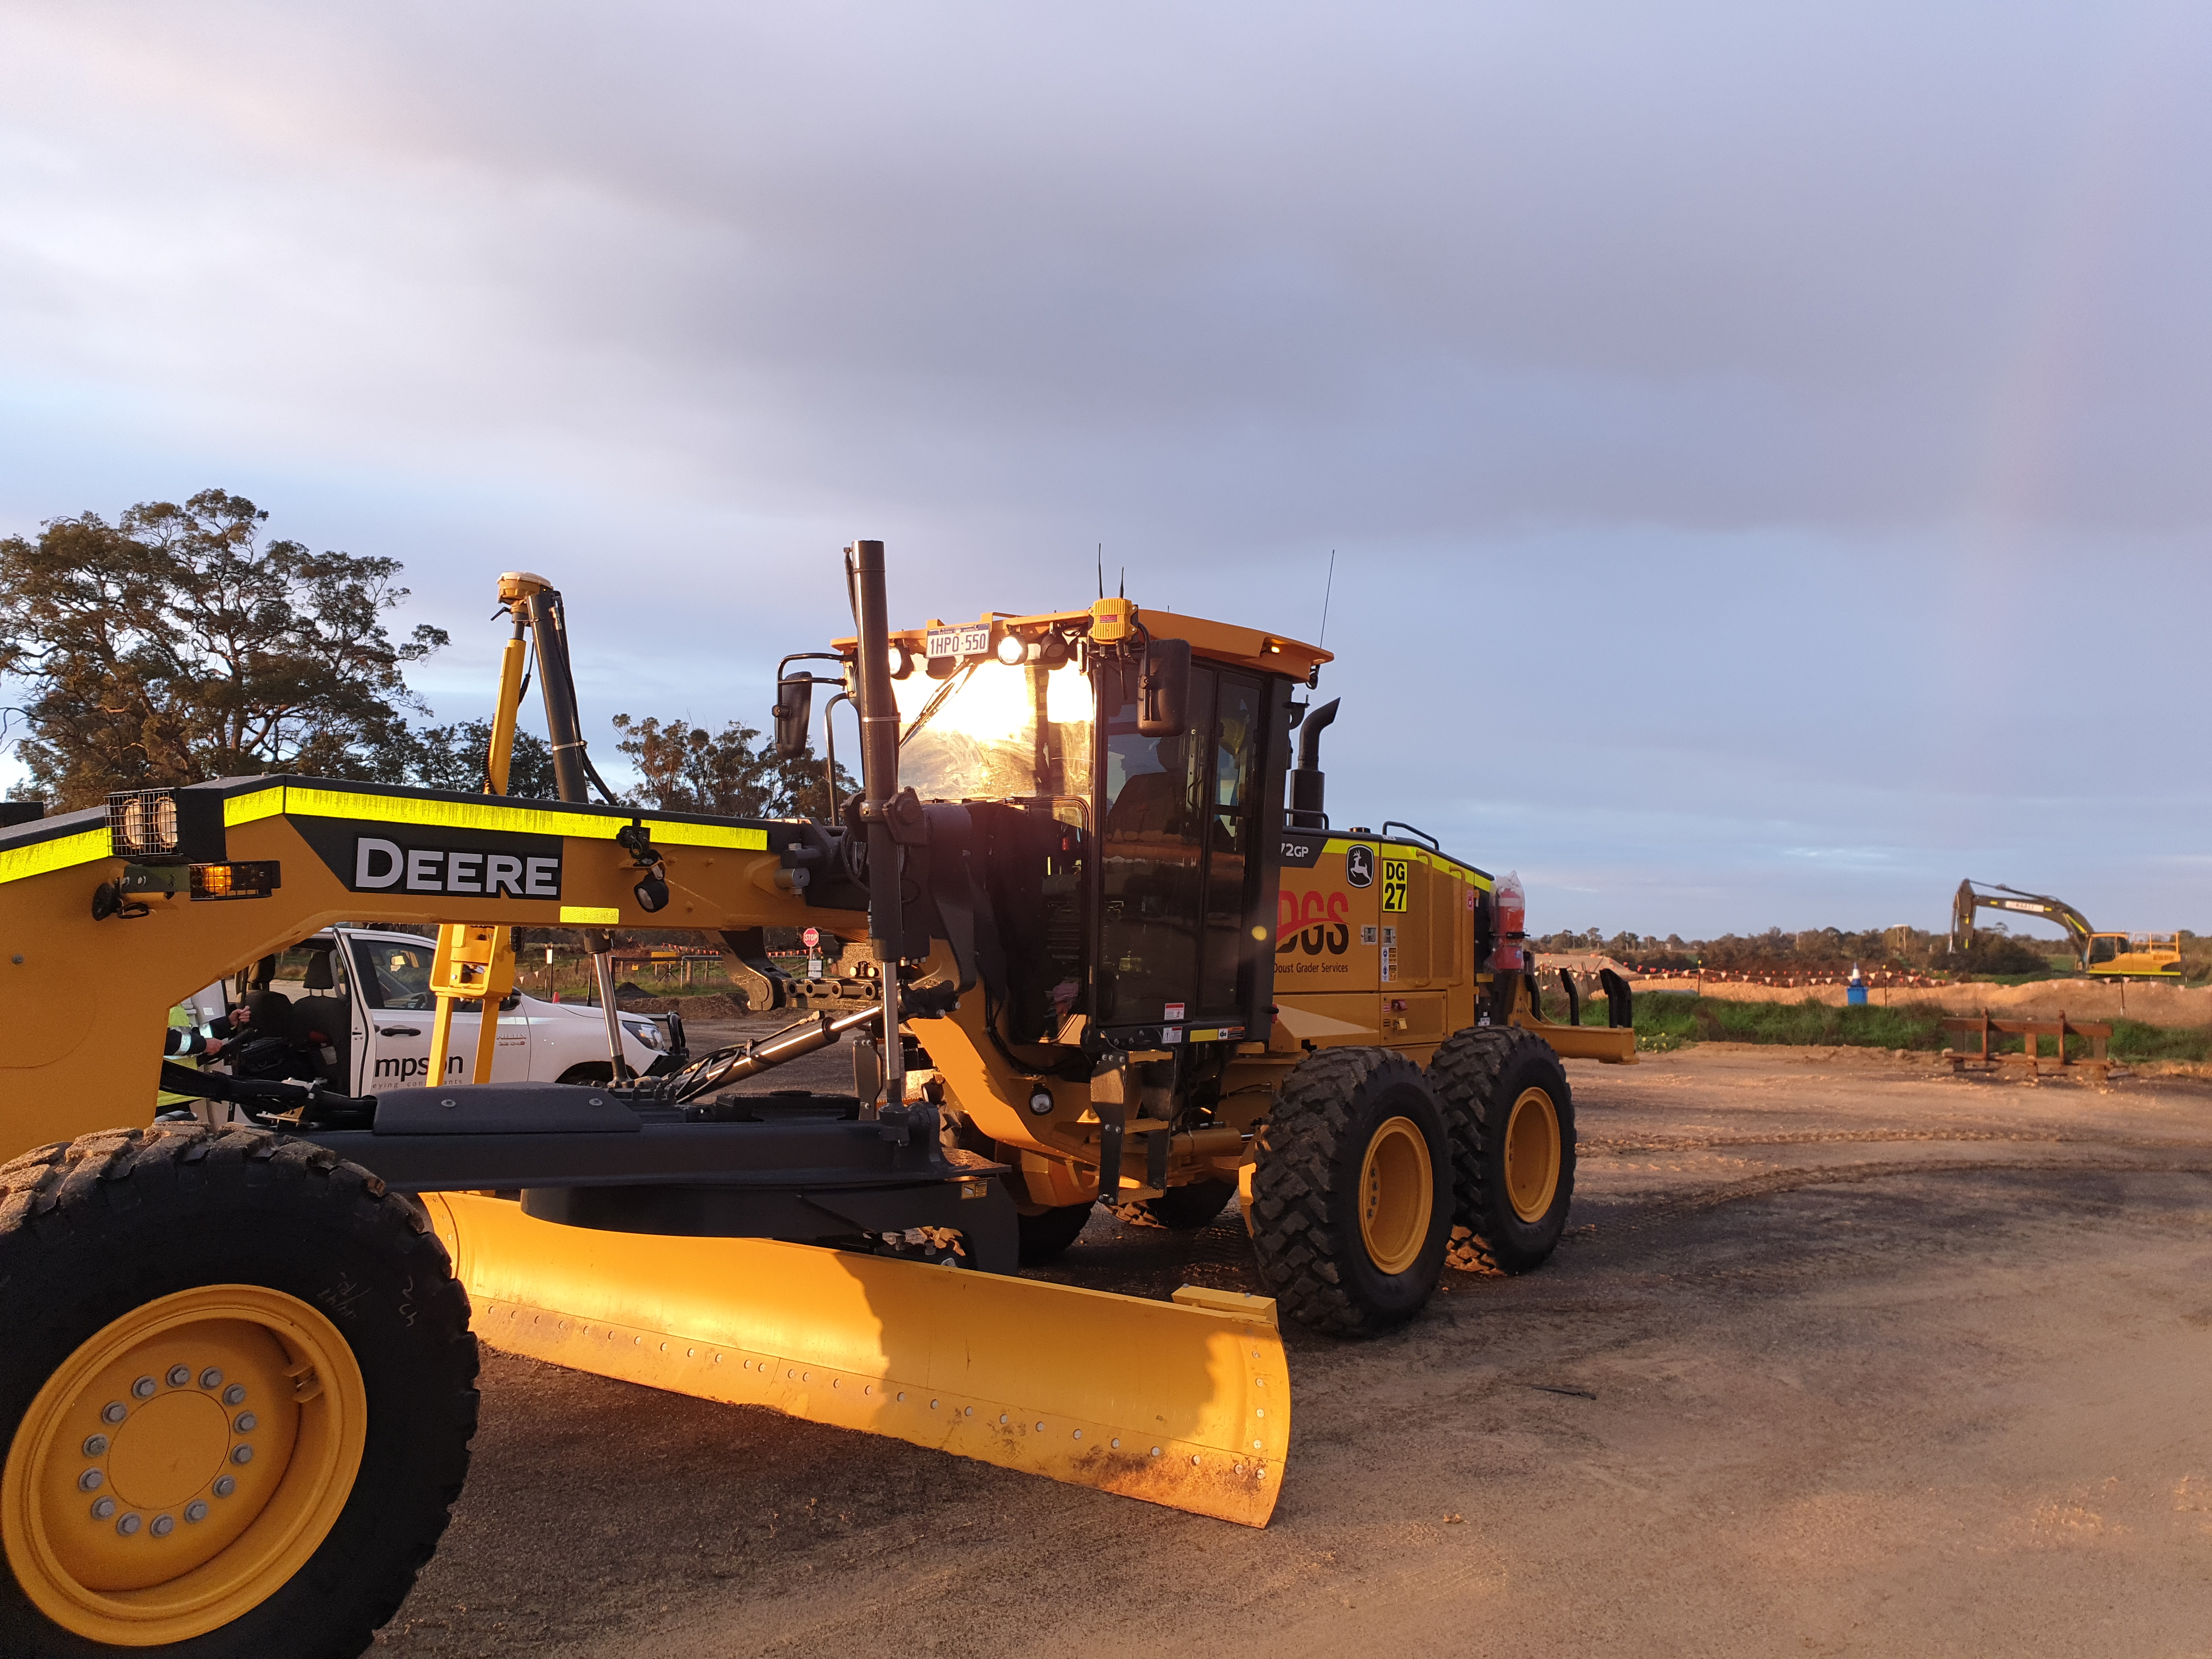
370 993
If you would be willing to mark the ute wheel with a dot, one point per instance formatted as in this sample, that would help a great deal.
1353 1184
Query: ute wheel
241 1386
1351 1196
1512 1122
1181 1209
1046 1235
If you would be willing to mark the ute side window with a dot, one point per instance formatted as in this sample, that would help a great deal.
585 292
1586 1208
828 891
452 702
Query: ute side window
394 975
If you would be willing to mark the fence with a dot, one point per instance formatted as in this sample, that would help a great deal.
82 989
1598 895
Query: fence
1786 978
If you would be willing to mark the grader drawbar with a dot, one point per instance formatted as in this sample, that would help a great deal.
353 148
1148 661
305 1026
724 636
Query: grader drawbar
1082 955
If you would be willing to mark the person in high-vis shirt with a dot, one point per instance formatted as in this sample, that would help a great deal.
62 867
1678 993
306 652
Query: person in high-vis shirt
186 1043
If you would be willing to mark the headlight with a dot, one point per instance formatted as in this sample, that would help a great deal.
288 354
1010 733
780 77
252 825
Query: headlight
646 1032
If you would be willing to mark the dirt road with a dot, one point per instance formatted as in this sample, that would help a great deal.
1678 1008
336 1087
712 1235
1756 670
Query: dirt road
1841 1356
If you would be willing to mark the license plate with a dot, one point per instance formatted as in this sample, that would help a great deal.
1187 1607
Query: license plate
960 641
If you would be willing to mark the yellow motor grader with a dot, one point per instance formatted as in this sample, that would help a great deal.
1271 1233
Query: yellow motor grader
1083 952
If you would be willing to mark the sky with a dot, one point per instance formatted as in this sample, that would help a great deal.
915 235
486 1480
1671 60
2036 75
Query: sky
1763 449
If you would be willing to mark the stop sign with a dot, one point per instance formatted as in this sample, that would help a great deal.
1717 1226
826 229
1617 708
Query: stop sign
810 938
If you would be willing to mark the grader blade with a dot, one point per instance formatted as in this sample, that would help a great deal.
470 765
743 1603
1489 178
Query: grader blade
1184 1403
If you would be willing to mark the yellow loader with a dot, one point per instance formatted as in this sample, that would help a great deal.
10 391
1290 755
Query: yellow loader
1082 954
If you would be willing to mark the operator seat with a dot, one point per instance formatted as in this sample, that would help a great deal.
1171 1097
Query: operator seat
325 1022
270 1045
1153 805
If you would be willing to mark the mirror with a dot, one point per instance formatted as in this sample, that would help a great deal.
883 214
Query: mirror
1164 688
793 714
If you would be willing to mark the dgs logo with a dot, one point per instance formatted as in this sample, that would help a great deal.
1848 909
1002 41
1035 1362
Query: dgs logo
1312 922
1393 883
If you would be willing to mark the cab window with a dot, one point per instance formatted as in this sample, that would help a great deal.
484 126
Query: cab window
1230 870
1155 795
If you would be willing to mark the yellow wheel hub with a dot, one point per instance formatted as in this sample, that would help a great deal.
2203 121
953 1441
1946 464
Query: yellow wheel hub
183 1464
1397 1195
1532 1155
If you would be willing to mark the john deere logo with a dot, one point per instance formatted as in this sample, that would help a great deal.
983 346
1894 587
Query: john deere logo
378 864
1359 867
406 858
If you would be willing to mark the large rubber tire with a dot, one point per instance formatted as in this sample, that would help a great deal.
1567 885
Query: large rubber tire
94 1231
1046 1235
1481 1074
1338 1106
1180 1209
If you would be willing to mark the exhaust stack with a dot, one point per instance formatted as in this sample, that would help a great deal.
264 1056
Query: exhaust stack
1308 785
879 788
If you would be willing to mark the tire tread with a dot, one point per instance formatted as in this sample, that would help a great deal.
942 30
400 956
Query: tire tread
1468 1070
1296 1204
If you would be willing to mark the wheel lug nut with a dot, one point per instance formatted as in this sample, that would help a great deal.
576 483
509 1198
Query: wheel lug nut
91 1480
103 1509
224 1486
234 1395
196 1511
143 1388
241 1453
180 1375
114 1412
210 1378
164 1525
95 1445
247 1422
129 1525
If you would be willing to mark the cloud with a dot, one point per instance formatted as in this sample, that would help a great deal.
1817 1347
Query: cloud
1819 396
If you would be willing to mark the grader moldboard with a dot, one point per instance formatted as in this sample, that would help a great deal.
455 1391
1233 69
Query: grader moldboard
1085 955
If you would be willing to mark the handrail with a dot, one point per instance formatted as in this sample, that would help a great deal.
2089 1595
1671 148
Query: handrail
1434 846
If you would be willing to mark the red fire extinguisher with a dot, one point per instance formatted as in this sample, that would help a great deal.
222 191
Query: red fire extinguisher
1512 925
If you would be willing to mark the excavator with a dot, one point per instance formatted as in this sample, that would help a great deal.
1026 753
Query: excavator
1083 950
2099 955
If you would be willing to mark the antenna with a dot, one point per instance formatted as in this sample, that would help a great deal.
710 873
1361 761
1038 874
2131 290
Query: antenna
1325 593
1102 570
1123 592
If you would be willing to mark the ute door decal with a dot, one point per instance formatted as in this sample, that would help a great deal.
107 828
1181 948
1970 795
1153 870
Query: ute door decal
393 978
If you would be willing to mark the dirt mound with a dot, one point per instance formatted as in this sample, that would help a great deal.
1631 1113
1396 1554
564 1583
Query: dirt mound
2078 998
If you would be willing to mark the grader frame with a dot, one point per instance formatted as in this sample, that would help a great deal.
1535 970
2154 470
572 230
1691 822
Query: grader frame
1087 988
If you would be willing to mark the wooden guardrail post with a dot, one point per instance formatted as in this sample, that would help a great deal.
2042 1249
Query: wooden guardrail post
2030 1032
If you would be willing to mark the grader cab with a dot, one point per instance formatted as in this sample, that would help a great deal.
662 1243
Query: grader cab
1083 952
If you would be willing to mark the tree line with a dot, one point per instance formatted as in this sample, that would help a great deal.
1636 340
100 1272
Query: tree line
1819 949
181 643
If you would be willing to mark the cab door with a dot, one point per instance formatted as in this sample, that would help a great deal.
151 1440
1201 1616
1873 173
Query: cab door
1234 868
1153 832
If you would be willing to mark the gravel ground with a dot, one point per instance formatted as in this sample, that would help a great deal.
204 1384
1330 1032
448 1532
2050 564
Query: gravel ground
1841 1355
